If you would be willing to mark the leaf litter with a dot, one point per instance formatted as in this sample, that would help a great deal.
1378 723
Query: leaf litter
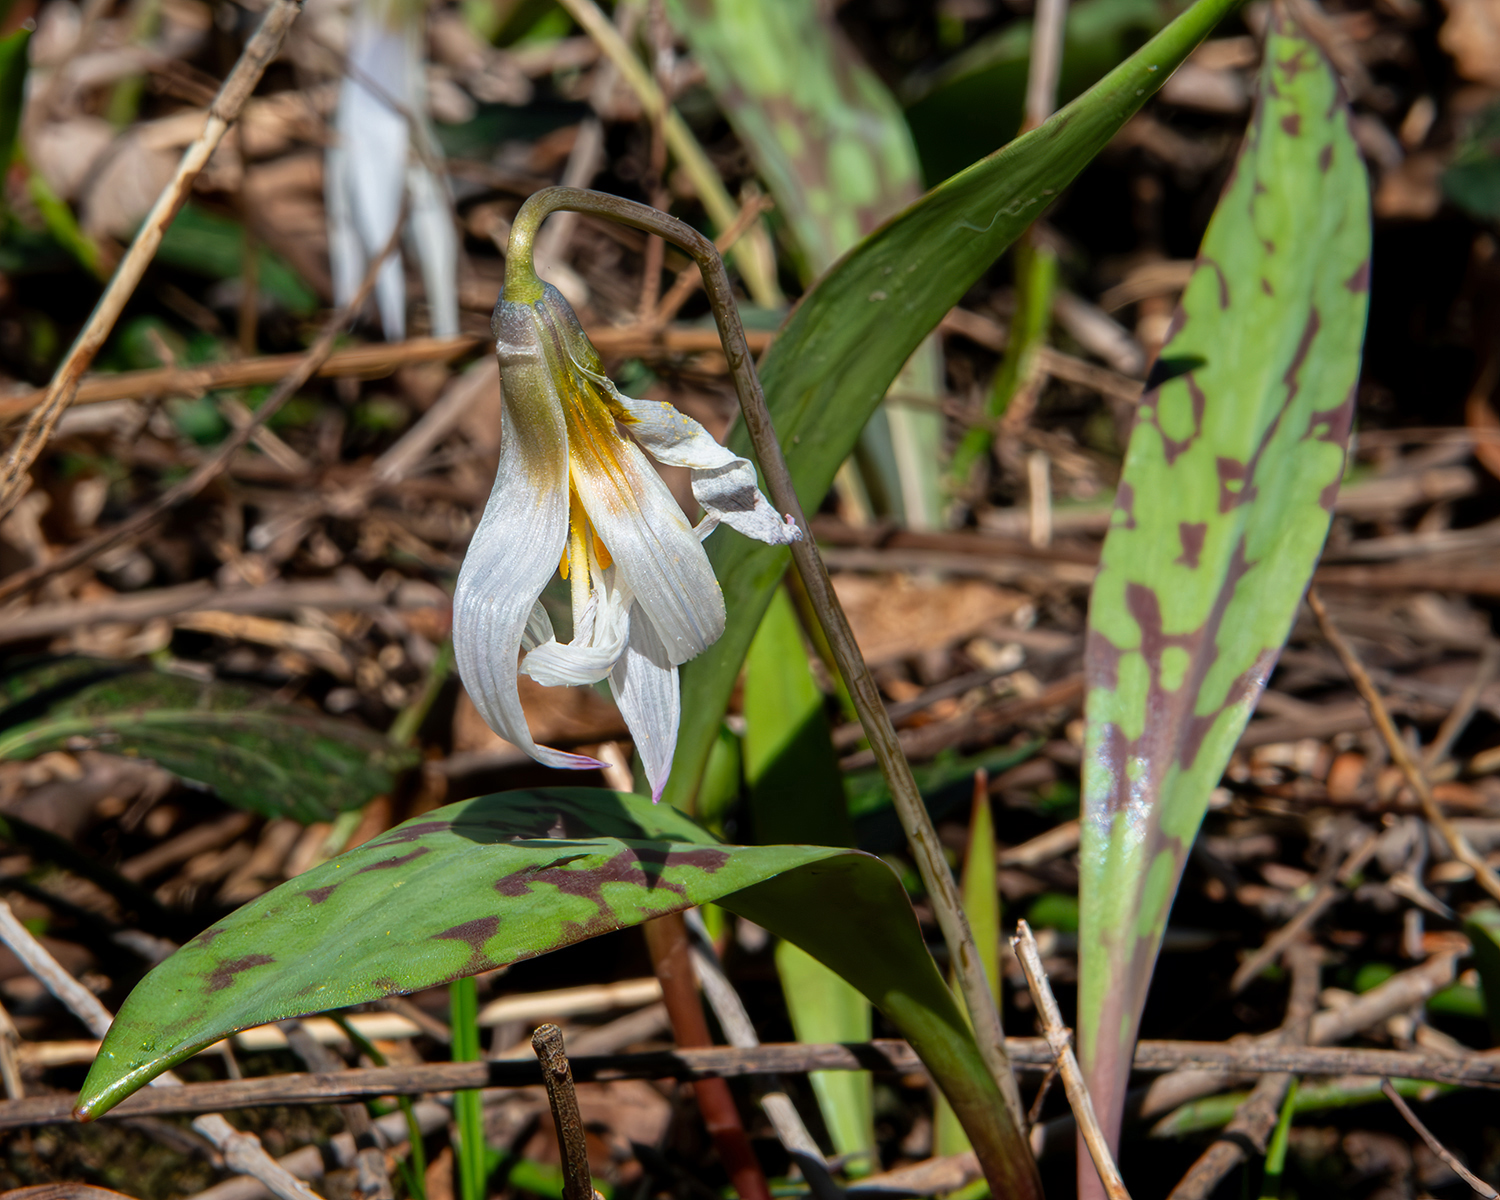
368 485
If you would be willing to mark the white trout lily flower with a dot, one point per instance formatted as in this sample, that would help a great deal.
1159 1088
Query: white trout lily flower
576 493
373 165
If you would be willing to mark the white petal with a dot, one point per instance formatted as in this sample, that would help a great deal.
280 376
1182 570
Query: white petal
513 553
346 254
374 138
590 655
644 684
538 628
723 482
431 230
658 557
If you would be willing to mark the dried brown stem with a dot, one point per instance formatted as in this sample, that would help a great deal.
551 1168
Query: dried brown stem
257 55
1328 891
1060 1039
1416 778
1256 1117
547 1041
667 939
726 1062
366 362
1434 1145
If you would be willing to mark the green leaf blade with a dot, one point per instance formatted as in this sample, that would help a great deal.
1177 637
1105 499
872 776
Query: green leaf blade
464 889
838 353
493 880
277 760
1222 511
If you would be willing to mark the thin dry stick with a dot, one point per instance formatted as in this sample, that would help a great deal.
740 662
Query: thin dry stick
1328 891
1046 61
1224 1060
257 55
578 1184
1459 716
1255 1119
209 469
370 362
739 1030
937 876
1416 778
1060 1038
1434 1145
690 279
242 1151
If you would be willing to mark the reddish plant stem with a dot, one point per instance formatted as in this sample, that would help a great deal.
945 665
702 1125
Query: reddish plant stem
667 939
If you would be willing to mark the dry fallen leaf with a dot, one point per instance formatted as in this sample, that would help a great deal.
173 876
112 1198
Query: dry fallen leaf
896 617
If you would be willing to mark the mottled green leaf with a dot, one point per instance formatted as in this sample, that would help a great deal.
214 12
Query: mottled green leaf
278 760
832 145
826 136
849 337
1221 513
489 881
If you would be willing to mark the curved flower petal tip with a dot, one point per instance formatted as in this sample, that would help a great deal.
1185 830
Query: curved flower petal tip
644 685
577 493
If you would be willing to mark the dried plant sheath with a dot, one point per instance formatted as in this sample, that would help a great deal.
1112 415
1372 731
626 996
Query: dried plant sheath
1222 510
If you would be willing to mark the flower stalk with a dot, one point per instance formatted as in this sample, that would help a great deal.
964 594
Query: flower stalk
1002 1149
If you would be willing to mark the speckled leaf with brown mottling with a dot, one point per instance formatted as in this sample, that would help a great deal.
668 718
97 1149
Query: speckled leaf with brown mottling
1220 516
489 881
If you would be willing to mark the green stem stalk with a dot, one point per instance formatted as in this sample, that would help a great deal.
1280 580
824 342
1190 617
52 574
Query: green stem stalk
468 1113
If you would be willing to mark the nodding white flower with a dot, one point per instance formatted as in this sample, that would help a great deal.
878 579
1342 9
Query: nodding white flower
373 165
576 493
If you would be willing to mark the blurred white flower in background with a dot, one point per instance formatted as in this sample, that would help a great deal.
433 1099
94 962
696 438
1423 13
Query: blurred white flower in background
384 153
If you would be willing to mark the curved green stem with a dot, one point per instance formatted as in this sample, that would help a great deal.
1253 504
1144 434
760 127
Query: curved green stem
999 1142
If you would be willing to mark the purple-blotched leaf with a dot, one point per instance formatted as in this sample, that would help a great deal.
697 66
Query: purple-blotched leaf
489 881
1220 516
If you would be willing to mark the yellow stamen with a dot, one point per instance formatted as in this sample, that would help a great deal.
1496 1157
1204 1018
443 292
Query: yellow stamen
576 559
